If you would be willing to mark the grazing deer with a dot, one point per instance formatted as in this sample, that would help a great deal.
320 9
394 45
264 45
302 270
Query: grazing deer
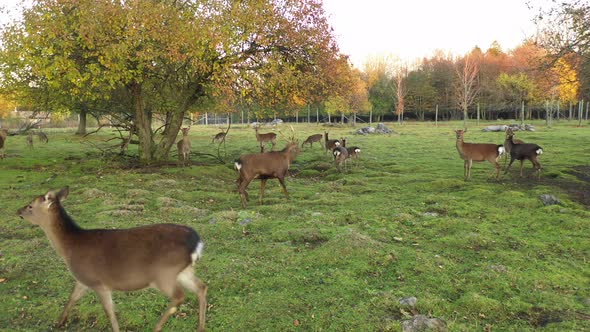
106 260
478 152
264 138
312 139
220 137
508 146
3 135
340 154
30 140
330 144
264 166
184 148
42 137
522 152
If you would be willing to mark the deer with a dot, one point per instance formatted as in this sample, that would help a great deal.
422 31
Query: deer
264 166
312 139
354 152
478 152
264 138
30 140
330 144
3 135
340 154
160 256
42 137
220 137
184 148
507 146
522 152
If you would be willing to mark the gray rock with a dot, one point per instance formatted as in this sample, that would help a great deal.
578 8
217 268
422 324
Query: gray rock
276 122
421 323
549 199
495 128
409 301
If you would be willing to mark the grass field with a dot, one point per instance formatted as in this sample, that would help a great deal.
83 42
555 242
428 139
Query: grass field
482 255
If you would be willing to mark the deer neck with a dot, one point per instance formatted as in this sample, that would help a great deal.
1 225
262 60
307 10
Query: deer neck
459 145
61 232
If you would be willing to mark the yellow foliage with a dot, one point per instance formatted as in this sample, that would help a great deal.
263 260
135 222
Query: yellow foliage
569 84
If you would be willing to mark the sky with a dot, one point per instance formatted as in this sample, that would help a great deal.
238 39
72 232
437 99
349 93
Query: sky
413 29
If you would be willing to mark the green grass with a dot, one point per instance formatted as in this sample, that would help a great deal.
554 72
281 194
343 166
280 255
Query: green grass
340 253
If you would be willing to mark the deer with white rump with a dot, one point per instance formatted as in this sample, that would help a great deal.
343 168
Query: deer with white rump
330 144
522 152
105 260
478 152
312 139
264 166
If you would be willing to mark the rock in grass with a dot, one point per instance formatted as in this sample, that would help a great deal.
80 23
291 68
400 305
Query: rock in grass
549 199
409 301
420 323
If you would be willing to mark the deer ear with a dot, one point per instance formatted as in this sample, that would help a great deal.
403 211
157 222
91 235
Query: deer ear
55 195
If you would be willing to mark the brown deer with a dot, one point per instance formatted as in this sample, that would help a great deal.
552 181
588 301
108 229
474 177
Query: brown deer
312 139
330 144
30 140
340 154
264 166
265 138
106 260
3 135
184 148
477 152
522 152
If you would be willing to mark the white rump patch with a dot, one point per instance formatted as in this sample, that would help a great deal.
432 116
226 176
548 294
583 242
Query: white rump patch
336 153
357 150
337 143
501 150
198 253
539 151
237 166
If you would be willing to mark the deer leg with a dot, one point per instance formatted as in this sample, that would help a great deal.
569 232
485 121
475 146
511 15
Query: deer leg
521 166
262 185
510 164
282 182
77 292
106 299
176 298
189 281
242 190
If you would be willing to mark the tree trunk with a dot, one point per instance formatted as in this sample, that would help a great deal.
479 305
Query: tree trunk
143 122
162 150
82 122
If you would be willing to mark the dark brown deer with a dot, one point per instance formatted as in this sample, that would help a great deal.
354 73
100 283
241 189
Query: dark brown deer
312 139
265 138
264 166
507 146
3 135
220 137
106 260
522 152
478 152
184 148
330 144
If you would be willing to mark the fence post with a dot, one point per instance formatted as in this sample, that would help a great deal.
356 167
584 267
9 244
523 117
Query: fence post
436 116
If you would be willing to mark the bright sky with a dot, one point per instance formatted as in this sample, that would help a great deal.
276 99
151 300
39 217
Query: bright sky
411 29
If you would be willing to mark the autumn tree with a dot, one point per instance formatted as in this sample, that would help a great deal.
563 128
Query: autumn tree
162 57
